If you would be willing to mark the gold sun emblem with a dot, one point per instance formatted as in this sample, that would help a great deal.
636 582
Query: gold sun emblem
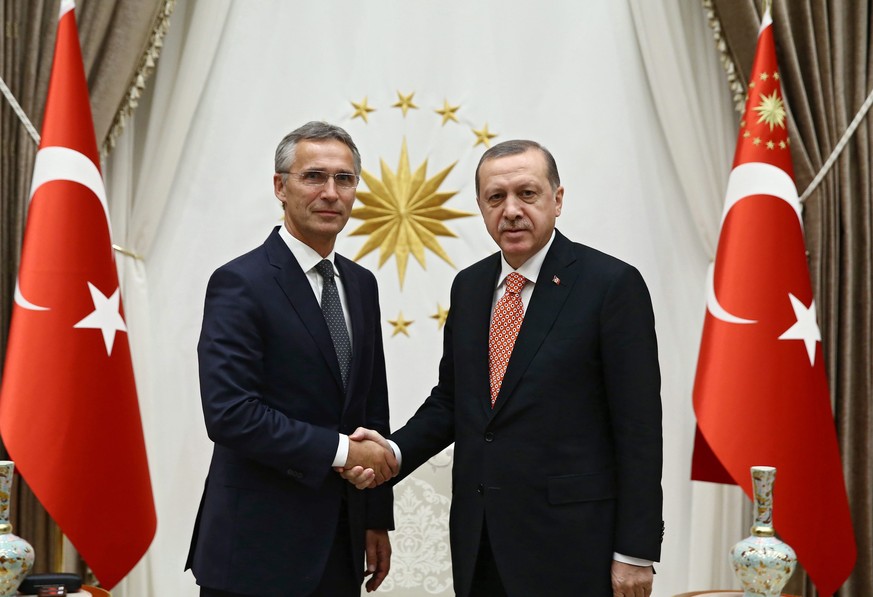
771 110
403 213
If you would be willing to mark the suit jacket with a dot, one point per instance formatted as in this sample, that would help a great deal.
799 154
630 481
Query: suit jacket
566 468
273 401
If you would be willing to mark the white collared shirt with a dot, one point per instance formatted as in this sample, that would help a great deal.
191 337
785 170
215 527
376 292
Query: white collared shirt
530 269
308 258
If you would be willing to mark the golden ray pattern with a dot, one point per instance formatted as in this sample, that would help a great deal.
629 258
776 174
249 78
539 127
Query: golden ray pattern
771 110
401 326
403 213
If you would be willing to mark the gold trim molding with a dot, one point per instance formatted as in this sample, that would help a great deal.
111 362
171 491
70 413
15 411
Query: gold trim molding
146 67
736 86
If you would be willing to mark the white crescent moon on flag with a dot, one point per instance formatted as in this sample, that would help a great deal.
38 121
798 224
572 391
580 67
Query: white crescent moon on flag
63 163
756 178
753 178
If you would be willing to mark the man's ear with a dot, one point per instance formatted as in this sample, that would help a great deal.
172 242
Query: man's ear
559 200
279 188
279 191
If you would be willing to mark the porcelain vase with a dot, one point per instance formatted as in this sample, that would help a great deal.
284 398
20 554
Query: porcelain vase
762 562
16 554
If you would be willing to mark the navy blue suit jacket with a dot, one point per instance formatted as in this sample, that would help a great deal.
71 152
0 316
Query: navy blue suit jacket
567 466
273 402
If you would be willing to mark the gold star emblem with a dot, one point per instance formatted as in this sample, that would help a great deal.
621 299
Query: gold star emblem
404 102
756 141
362 110
401 326
770 145
746 134
483 136
742 123
776 76
782 145
771 110
440 316
448 112
764 76
403 213
751 85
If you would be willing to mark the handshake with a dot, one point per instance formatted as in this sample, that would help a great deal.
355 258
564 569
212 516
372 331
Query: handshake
371 460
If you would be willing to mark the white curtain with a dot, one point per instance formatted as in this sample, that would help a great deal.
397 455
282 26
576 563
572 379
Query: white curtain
191 189
694 108
139 175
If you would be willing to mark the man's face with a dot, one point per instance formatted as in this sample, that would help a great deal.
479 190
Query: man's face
518 204
316 214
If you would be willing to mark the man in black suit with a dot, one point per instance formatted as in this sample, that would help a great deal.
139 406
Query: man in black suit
291 362
549 385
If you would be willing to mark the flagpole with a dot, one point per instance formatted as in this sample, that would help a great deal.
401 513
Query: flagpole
58 561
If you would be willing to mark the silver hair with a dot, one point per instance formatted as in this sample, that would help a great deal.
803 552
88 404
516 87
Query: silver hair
312 131
515 147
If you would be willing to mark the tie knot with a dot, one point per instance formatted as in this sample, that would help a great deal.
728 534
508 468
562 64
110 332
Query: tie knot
325 268
515 282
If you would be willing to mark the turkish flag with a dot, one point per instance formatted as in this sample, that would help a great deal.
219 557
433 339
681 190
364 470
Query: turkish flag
69 415
760 395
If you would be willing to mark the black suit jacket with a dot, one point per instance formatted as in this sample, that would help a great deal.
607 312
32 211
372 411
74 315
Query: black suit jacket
567 466
273 402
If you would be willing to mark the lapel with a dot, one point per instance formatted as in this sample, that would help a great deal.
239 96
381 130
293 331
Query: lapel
545 304
292 280
354 302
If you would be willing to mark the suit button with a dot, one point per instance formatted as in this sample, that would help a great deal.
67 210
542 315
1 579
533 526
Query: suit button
481 489
489 437
295 474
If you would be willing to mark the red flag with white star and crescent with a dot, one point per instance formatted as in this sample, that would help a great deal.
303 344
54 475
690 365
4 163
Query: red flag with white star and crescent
760 394
69 416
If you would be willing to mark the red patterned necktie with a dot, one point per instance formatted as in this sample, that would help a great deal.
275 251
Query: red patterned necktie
508 315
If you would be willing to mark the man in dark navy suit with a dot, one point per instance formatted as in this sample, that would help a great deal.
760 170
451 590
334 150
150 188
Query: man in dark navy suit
291 362
549 386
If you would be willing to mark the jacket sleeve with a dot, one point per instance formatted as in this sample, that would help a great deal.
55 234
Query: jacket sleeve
432 427
380 501
633 382
231 367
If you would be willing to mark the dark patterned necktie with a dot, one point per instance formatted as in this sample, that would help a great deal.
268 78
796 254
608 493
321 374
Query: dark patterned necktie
333 315
505 323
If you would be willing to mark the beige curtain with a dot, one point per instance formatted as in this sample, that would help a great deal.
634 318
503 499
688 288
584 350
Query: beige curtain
119 41
824 53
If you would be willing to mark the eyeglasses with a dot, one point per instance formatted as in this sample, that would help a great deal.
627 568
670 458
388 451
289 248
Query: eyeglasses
318 178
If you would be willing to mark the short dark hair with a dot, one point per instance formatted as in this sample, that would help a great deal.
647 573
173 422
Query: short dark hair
516 147
312 131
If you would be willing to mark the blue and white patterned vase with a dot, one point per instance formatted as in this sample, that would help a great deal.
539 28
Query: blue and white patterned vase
762 562
16 554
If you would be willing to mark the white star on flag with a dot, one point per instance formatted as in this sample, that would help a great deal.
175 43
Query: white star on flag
105 316
806 328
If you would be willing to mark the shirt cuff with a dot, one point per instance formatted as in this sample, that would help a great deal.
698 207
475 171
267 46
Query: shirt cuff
342 451
397 453
632 561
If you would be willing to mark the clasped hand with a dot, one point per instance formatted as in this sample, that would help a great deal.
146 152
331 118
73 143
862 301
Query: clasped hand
371 460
